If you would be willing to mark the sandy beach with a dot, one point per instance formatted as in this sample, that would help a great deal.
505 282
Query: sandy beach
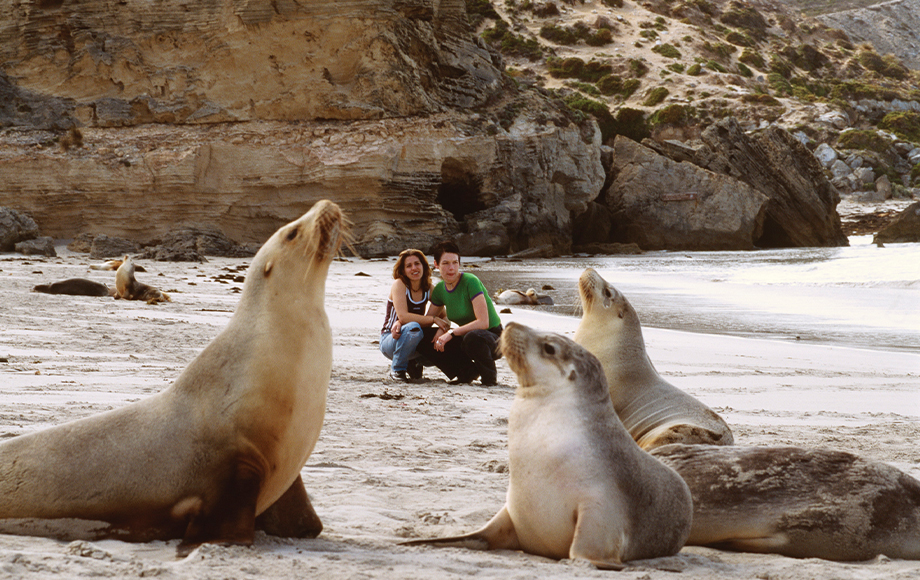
397 462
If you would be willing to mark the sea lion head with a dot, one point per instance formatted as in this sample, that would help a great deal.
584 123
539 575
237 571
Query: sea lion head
597 295
302 249
546 361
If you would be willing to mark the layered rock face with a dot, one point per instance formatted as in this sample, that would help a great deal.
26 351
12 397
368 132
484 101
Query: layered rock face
891 27
124 62
240 115
402 184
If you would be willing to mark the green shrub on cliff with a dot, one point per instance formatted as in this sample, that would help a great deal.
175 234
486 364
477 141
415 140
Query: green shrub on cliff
859 139
631 123
676 115
887 66
905 125
655 96
752 58
500 37
575 68
596 109
615 85
666 50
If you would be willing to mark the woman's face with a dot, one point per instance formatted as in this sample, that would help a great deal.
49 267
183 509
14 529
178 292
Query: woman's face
449 267
413 269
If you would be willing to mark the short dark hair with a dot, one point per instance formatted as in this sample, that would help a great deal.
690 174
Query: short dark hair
445 247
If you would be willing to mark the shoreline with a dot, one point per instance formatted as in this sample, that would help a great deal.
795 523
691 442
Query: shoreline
397 462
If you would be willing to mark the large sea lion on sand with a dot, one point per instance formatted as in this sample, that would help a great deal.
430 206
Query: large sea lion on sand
76 287
654 411
511 297
579 485
128 288
200 460
798 502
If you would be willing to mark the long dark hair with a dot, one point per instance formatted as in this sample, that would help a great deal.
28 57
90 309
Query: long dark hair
399 269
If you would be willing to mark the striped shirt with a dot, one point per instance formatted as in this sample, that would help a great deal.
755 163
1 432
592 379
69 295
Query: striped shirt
414 307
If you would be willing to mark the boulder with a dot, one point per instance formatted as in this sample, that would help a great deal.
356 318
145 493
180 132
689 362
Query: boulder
15 227
660 204
840 169
802 202
905 228
825 154
83 243
192 243
42 246
105 247
882 189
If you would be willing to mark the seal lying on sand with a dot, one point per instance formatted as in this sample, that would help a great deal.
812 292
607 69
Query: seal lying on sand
797 502
510 297
654 411
579 485
76 287
225 442
128 288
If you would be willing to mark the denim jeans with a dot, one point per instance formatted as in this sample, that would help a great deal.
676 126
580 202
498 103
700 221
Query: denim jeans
401 350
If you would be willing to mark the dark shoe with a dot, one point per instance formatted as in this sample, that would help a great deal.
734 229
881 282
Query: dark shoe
399 376
415 369
489 381
464 378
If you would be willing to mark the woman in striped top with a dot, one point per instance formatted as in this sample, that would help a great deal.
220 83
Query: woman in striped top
405 315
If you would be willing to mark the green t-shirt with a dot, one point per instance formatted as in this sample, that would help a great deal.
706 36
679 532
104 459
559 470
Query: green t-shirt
459 301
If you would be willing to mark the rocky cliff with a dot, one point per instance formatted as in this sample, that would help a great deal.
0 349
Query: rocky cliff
891 27
241 115
123 62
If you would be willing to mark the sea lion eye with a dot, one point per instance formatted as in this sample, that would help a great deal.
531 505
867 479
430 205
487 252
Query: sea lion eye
607 293
292 234
549 349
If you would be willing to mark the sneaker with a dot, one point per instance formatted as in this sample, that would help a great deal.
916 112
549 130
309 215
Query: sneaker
399 376
415 370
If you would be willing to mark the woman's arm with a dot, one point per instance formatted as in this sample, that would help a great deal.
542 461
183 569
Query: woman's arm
480 309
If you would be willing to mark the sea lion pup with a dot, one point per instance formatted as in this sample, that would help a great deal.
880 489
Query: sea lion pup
654 411
128 288
803 503
579 485
511 297
202 459
75 287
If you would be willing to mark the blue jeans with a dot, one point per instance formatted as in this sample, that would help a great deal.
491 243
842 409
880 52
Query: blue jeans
401 350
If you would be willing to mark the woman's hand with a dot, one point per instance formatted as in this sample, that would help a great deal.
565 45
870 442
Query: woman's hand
442 323
441 340
396 329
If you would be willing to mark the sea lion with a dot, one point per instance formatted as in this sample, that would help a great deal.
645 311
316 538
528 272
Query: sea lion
76 287
654 411
225 442
128 288
579 485
803 503
114 265
511 297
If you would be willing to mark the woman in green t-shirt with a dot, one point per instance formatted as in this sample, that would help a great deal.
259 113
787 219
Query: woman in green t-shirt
469 350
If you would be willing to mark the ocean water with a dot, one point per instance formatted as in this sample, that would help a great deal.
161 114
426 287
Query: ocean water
862 295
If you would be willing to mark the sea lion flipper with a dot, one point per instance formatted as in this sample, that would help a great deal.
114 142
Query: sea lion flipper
498 534
231 519
292 516
590 543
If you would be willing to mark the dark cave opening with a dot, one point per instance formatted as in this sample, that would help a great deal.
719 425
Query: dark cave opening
460 190
773 236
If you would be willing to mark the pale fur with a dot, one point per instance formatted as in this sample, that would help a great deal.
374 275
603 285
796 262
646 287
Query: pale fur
579 485
253 402
654 411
